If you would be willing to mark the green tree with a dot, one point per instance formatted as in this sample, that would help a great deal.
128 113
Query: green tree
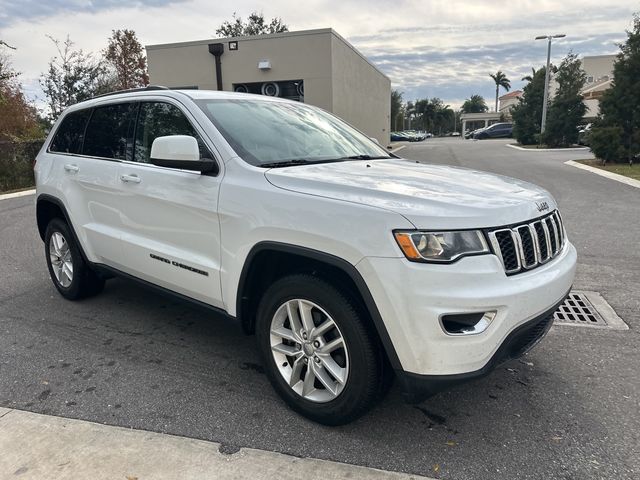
500 80
71 77
125 55
527 114
396 110
475 104
18 117
434 116
255 25
620 104
567 108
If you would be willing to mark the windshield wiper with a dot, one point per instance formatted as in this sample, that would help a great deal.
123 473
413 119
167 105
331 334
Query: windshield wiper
300 161
286 163
305 161
362 157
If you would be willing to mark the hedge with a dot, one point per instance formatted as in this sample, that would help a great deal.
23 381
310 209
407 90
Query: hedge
16 164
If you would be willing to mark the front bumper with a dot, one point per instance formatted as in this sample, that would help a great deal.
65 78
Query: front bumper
417 388
412 297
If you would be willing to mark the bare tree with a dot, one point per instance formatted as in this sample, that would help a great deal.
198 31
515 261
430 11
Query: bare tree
72 76
125 55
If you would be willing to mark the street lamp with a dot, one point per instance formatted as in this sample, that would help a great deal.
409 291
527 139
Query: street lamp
546 77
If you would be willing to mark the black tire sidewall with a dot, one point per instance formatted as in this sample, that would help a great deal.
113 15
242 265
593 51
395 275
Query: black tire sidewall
364 365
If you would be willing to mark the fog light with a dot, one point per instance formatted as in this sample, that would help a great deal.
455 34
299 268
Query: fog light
467 323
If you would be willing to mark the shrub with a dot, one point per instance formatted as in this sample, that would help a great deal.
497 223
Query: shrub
16 164
605 143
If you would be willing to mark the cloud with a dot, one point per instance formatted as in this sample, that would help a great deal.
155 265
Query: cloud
14 11
427 48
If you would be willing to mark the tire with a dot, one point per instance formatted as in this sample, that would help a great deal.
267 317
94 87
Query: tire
359 363
70 274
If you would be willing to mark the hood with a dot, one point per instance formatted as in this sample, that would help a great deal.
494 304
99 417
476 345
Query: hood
429 196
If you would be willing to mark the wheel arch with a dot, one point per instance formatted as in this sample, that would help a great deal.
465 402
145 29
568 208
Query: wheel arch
268 261
49 207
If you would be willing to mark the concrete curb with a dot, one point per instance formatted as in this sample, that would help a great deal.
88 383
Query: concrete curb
38 446
576 149
397 149
24 193
604 173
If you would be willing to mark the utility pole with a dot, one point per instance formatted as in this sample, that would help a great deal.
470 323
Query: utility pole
546 78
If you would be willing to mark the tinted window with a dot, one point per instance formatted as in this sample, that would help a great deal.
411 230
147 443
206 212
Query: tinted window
68 138
108 132
159 119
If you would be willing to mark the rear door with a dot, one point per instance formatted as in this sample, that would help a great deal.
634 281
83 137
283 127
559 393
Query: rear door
171 232
88 146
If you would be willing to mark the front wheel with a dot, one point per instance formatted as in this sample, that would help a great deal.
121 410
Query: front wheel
318 352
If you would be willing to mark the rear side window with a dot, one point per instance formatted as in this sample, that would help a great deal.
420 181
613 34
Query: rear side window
70 133
108 133
159 119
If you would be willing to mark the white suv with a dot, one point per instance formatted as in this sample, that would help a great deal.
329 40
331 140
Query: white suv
352 266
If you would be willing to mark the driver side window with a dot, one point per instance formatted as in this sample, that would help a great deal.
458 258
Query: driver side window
159 119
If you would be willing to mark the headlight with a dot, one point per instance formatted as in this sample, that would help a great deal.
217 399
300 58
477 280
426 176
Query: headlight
441 246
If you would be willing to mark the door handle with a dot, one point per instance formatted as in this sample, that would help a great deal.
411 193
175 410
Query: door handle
130 178
71 168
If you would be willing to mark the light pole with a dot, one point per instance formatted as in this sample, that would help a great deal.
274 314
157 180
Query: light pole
546 77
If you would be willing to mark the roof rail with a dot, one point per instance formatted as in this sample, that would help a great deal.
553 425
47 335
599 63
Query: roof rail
133 90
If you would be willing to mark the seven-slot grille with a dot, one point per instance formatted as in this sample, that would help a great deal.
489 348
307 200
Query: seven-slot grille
528 245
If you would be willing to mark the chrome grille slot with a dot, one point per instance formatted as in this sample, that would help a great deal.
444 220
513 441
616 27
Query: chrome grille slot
528 245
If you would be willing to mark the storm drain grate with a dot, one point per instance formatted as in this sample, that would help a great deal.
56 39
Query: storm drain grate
588 309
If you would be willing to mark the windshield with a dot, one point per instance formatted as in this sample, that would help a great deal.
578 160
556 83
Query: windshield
271 134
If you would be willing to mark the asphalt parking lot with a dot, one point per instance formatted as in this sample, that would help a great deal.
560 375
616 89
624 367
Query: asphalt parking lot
130 357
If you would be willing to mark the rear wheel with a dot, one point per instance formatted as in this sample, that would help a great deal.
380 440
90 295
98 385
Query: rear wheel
70 274
319 354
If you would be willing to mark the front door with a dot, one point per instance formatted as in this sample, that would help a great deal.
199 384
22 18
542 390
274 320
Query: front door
171 231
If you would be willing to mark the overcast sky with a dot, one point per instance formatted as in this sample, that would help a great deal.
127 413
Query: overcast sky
428 48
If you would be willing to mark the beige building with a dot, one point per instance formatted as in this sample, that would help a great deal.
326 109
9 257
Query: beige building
508 101
599 70
317 67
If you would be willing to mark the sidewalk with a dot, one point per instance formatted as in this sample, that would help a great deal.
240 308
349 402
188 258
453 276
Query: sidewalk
34 446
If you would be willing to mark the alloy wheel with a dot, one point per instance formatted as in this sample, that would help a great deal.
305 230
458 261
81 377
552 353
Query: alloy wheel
309 350
61 260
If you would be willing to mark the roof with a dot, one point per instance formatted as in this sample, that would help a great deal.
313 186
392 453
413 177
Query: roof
597 86
268 36
157 91
514 94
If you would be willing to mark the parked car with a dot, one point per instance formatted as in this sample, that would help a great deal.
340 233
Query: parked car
407 136
584 133
351 266
497 130
471 133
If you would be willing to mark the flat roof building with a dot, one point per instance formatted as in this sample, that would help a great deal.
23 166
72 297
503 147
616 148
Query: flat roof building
317 67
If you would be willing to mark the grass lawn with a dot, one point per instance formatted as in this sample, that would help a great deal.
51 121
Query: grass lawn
619 168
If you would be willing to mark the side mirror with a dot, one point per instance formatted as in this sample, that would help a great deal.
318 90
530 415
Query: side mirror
375 140
179 151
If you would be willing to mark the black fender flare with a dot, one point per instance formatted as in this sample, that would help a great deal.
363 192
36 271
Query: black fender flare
334 261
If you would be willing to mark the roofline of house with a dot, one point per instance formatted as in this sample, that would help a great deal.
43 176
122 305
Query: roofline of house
298 33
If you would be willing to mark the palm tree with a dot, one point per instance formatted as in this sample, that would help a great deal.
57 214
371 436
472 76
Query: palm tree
474 104
501 81
529 78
